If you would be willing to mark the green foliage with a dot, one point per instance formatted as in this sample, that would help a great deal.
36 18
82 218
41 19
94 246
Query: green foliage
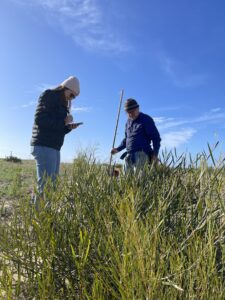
15 179
13 159
156 235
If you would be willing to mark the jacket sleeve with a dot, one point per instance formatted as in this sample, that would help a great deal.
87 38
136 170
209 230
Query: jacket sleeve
153 134
67 130
122 145
45 116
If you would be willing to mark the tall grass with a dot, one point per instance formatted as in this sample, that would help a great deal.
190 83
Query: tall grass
155 236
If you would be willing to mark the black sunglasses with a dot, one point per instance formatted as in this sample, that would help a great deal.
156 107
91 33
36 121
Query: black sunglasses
72 96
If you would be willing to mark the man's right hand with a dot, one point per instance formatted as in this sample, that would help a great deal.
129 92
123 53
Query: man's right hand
155 159
114 151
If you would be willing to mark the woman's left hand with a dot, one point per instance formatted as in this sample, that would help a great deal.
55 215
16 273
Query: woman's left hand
68 119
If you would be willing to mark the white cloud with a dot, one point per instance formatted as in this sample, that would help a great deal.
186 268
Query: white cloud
215 110
214 115
166 123
84 21
176 138
162 120
179 74
173 136
31 103
43 86
167 108
40 88
81 109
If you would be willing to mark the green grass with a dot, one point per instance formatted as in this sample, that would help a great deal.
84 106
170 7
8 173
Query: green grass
159 236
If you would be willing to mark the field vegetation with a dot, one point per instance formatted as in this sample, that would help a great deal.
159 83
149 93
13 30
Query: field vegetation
159 235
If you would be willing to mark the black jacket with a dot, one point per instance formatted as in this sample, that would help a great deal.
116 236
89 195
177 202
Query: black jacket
49 128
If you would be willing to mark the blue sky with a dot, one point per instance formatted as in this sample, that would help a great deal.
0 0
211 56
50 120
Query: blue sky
168 55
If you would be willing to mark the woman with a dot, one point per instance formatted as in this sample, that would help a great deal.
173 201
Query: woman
52 121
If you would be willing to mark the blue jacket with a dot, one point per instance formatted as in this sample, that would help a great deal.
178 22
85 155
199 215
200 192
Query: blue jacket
140 134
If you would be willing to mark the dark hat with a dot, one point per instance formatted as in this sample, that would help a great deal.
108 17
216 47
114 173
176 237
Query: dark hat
130 104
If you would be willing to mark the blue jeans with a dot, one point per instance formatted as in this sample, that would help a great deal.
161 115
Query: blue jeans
47 164
136 165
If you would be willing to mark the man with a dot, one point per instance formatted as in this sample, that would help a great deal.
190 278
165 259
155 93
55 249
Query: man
140 133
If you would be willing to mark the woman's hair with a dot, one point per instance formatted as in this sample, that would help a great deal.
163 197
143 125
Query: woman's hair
61 90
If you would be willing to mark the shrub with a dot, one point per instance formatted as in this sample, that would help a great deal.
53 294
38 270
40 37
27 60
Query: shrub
14 159
156 236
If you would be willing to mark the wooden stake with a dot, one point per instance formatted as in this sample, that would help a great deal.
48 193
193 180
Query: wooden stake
117 122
